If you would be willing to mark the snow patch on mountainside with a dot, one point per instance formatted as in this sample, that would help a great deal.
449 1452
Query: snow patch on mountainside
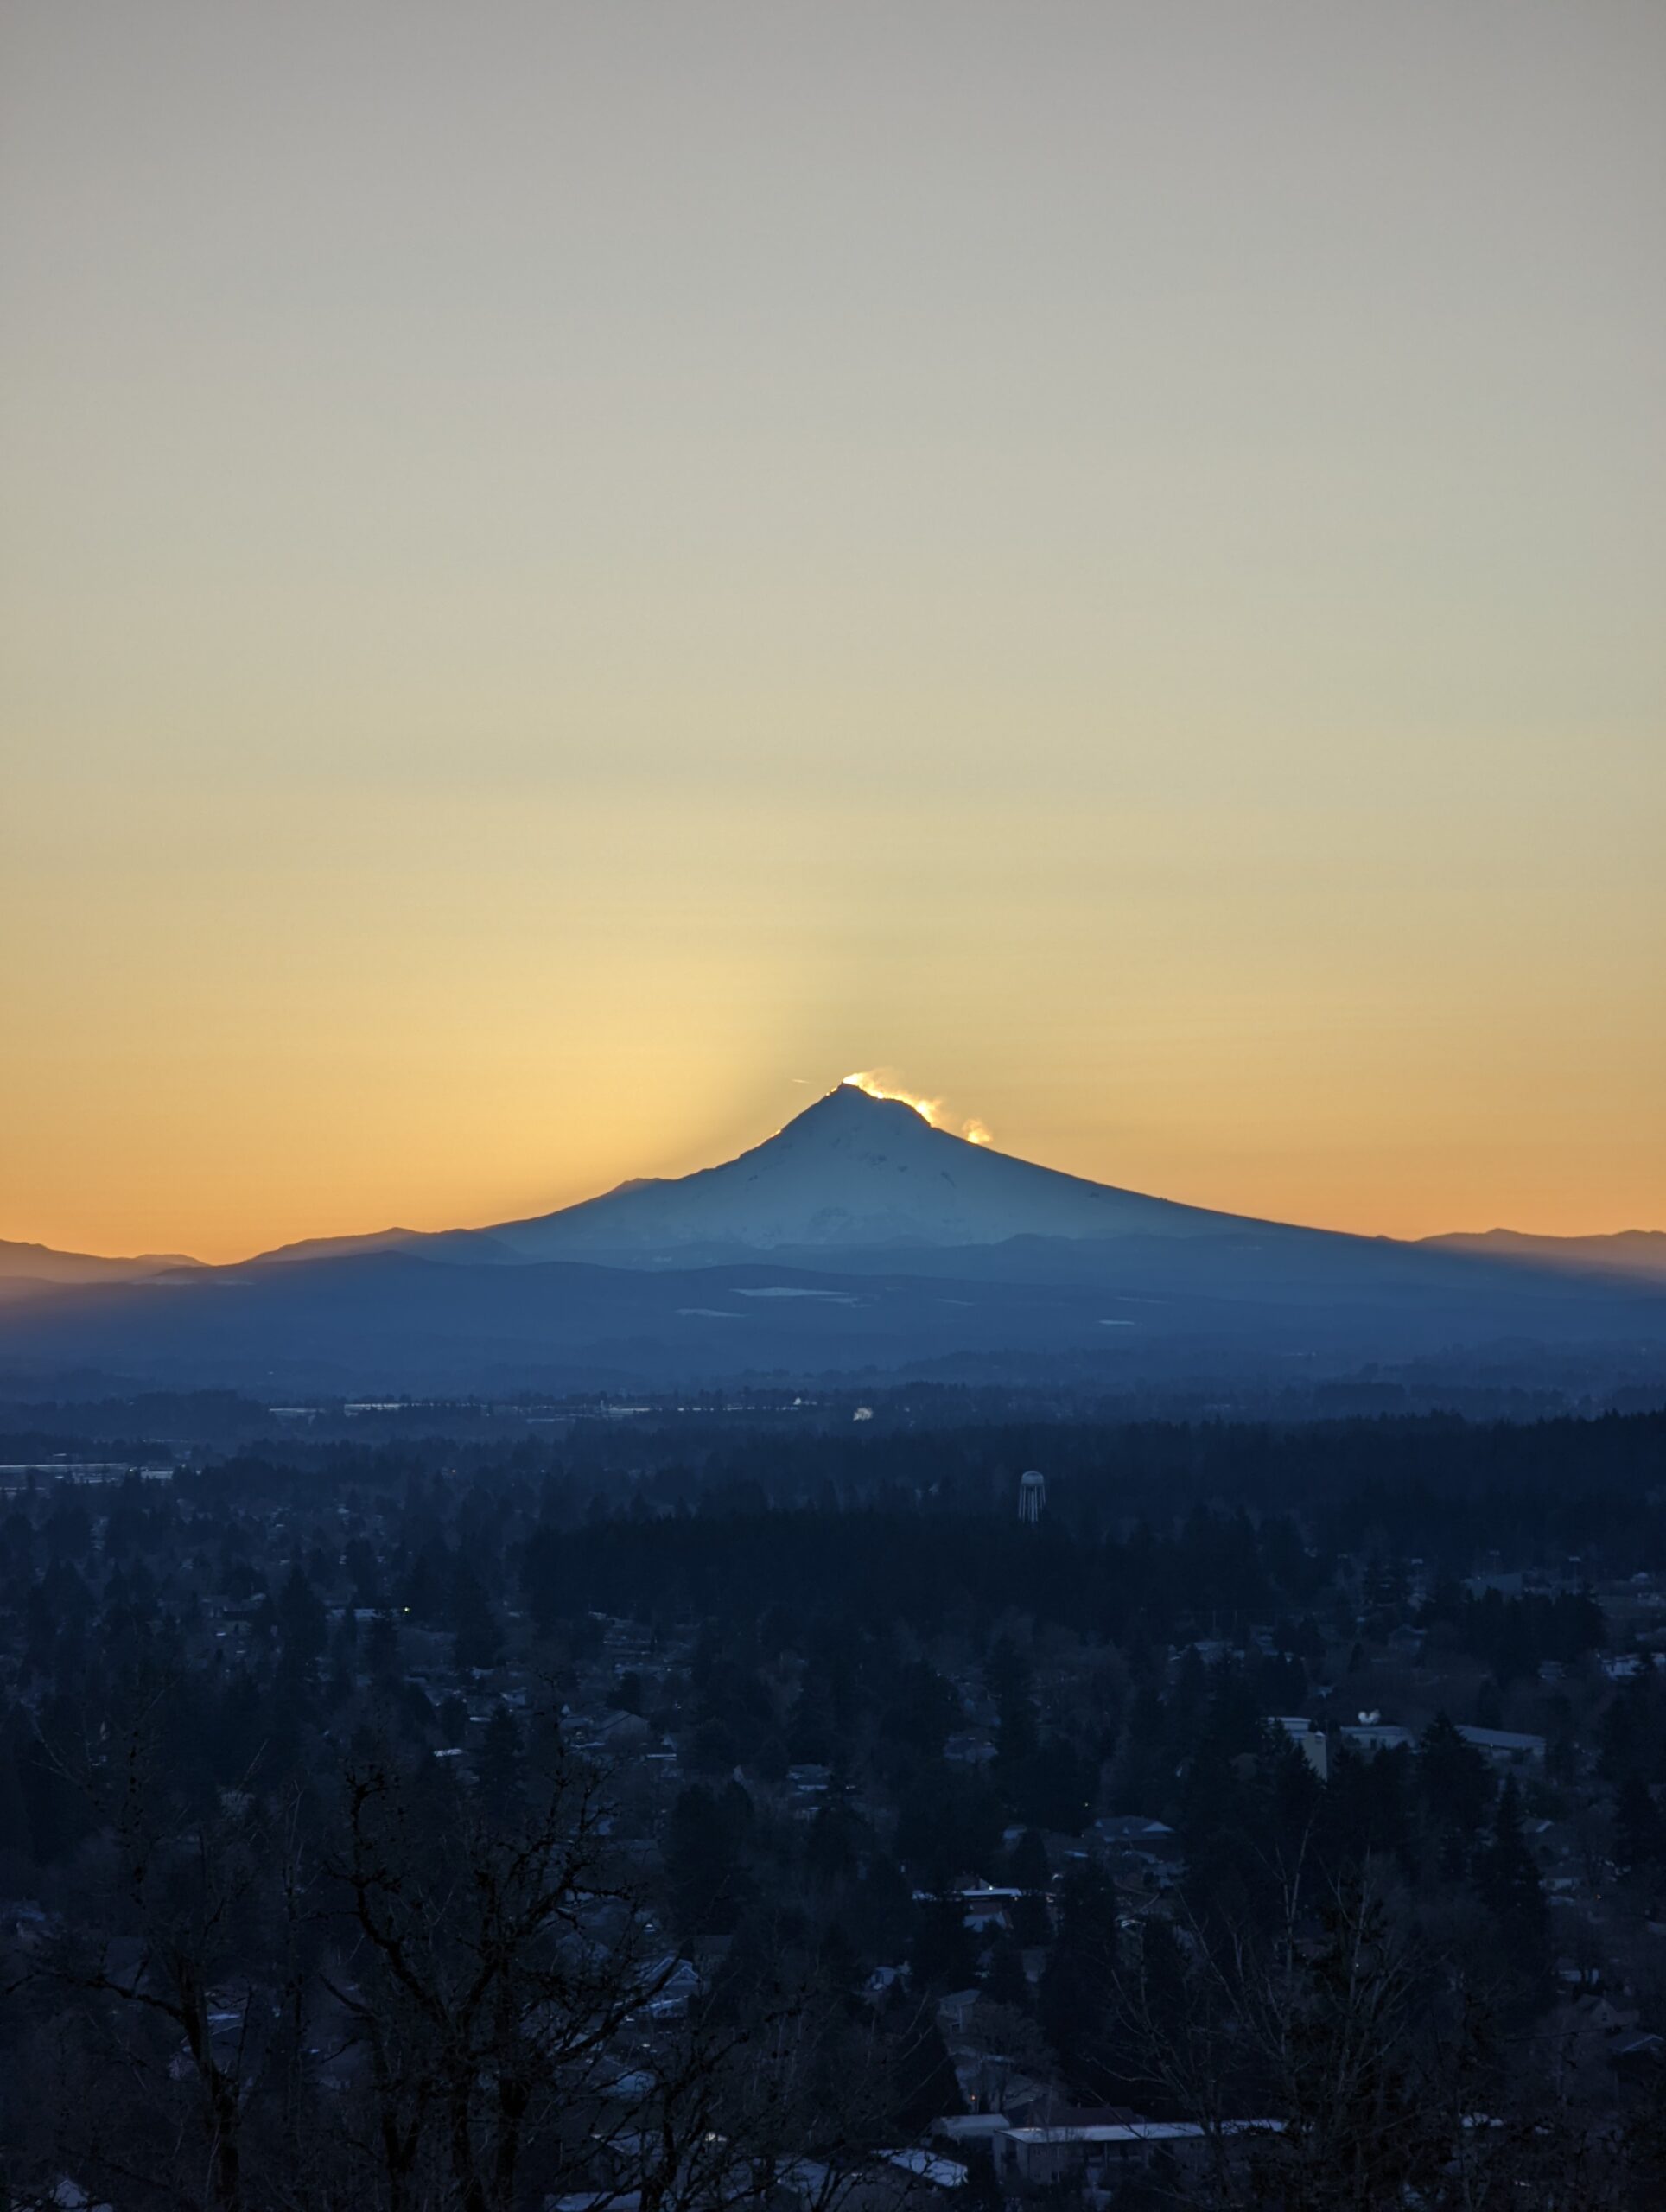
852 1170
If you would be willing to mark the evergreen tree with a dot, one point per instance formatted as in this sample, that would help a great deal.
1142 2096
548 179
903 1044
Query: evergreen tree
948 1823
1639 1831
302 1624
880 1910
921 1711
1630 1733
1006 1982
1507 1879
1453 1784
1009 1681
830 1844
14 1810
1149 1758
1053 1787
427 1581
705 1846
382 1654
1295 1799
1073 2003
1026 1863
1027 1870
943 1955
478 1639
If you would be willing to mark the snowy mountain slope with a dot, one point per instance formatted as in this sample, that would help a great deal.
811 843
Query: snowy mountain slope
857 1240
852 1170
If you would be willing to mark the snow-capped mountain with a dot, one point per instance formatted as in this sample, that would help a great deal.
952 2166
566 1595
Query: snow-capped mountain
851 1172
858 1240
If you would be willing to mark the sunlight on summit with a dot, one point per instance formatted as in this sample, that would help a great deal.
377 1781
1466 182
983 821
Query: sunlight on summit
878 1083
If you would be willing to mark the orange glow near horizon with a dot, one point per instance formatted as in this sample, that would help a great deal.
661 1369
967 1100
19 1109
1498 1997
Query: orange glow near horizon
1112 569
447 1162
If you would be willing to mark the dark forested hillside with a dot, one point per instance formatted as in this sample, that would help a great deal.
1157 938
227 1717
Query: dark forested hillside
750 1807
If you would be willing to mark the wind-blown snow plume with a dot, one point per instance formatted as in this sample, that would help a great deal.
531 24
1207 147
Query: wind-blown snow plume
881 1082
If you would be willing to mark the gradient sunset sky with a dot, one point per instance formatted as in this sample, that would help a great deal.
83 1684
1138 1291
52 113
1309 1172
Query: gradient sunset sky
572 573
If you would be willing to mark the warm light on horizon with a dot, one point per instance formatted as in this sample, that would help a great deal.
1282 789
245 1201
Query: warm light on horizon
1114 569
633 1133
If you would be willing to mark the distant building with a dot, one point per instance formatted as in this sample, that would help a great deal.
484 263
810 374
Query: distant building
1044 2157
1374 1736
1133 1831
1032 1495
954 2012
1502 1747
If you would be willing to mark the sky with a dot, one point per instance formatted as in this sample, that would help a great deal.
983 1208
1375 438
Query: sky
572 573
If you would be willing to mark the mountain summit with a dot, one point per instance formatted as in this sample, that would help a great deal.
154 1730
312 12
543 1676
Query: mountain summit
857 1240
852 1170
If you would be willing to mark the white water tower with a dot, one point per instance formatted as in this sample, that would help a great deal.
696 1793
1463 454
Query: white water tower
1032 1495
